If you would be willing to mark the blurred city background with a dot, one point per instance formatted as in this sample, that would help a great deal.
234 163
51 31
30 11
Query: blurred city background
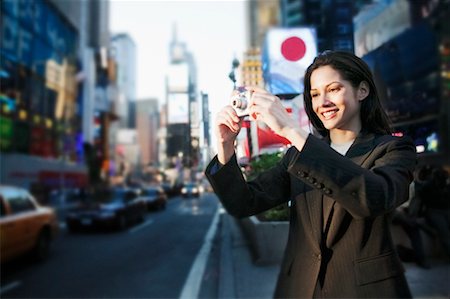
107 101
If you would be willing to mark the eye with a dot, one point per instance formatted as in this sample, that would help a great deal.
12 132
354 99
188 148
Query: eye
334 89
314 95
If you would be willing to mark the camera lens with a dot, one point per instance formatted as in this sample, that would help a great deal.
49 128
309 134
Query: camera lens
240 103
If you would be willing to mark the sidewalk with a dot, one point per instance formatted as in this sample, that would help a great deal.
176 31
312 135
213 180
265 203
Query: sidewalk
239 277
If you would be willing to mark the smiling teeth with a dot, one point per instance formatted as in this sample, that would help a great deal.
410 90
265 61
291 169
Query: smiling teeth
329 113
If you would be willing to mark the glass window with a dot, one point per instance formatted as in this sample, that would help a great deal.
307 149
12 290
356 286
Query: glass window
343 28
9 37
26 13
25 46
10 7
40 15
41 53
20 202
343 13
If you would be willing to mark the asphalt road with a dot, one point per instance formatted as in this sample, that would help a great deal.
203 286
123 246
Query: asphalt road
149 260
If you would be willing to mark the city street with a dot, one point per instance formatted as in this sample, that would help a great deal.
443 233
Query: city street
148 260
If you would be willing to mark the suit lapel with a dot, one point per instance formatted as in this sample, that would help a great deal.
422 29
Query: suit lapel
358 153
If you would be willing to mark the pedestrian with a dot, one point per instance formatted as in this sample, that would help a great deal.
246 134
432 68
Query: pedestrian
344 182
437 193
407 217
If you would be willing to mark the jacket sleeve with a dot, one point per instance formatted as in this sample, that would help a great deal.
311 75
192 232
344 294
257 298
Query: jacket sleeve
364 191
243 199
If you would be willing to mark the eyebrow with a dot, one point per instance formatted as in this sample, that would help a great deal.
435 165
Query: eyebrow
326 85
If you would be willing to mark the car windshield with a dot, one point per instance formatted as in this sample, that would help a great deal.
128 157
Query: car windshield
148 192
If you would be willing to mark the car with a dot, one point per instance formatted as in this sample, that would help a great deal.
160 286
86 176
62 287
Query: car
114 208
190 189
25 225
154 197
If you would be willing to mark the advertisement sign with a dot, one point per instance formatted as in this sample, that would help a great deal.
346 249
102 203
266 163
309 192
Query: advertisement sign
286 55
178 108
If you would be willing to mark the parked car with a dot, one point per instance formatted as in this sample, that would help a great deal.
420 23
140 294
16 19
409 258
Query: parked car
190 189
25 225
154 197
113 208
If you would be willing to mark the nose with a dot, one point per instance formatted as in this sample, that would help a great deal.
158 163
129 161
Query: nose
323 100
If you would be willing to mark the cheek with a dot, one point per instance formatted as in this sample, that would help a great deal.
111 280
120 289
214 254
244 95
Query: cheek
314 106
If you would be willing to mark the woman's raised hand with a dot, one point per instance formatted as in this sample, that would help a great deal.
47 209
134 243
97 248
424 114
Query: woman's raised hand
267 107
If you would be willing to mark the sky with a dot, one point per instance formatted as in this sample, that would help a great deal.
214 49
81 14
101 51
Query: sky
213 31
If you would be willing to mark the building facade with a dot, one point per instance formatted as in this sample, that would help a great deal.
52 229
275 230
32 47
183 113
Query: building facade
48 78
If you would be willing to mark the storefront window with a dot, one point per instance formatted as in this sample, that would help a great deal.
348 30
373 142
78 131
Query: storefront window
38 49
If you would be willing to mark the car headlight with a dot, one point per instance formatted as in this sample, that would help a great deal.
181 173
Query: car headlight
183 190
194 190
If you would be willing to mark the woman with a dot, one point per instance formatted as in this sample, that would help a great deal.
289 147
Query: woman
344 184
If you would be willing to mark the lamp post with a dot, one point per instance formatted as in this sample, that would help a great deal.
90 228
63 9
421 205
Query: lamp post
232 74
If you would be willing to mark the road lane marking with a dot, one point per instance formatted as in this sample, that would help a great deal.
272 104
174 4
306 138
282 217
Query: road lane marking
10 286
140 226
193 282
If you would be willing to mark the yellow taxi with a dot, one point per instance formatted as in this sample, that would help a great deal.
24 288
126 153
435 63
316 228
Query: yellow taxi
25 226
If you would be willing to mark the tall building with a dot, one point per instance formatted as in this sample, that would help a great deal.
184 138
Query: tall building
332 20
124 52
147 125
251 68
262 15
182 140
205 137
413 84
50 51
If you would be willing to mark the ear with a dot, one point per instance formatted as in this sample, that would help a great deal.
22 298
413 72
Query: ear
363 91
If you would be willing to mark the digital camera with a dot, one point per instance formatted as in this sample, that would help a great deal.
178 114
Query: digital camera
240 101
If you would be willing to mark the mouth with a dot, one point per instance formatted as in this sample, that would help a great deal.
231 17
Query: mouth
329 114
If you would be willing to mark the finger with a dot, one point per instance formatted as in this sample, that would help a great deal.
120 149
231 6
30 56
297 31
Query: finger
224 121
262 99
232 114
256 89
227 118
257 112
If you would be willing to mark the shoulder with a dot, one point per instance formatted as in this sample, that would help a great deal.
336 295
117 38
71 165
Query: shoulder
395 142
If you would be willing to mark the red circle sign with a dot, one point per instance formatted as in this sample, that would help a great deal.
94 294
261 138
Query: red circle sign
293 48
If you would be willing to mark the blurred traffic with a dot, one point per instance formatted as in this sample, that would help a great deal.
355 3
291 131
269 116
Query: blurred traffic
26 227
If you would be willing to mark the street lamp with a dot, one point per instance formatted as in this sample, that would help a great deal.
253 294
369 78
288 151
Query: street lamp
232 74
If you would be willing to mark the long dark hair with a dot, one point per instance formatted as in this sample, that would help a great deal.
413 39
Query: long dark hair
354 70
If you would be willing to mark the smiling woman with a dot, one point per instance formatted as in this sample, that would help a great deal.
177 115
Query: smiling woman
343 183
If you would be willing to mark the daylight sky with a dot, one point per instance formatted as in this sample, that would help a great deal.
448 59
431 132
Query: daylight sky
214 32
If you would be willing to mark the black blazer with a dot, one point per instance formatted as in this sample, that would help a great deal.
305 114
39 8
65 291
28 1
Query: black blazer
339 243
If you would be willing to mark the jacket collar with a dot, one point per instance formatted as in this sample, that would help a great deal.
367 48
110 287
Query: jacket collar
362 145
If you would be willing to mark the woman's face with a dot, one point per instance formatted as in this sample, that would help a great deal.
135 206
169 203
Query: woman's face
334 100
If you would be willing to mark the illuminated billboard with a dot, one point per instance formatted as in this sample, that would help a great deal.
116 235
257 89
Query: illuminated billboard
178 108
286 55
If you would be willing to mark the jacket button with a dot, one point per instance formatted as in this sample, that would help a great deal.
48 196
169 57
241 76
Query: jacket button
327 191
319 257
318 185
311 180
302 173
